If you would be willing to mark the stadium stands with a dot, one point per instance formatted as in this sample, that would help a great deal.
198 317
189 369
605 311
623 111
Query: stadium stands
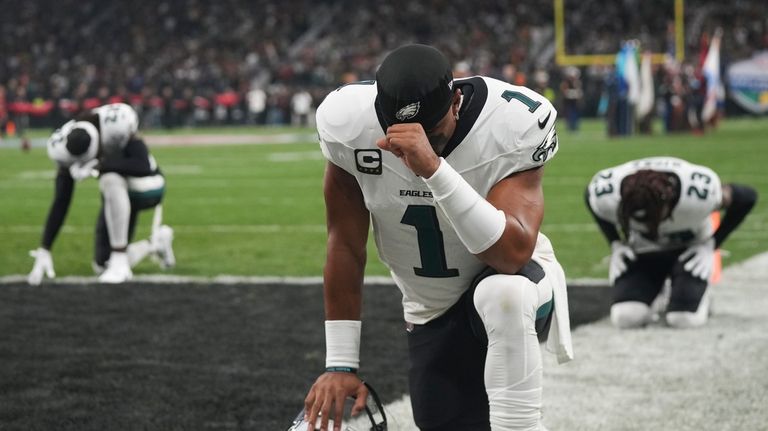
236 61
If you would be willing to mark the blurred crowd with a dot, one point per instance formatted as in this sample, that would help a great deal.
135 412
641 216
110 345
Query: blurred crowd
185 63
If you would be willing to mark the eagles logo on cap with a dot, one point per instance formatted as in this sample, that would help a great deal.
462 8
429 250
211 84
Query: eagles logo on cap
414 84
407 112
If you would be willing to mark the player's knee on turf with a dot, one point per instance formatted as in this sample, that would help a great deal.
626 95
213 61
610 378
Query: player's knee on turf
630 314
690 319
685 319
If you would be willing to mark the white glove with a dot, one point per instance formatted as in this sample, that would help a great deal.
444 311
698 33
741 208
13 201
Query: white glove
81 171
43 266
700 259
620 253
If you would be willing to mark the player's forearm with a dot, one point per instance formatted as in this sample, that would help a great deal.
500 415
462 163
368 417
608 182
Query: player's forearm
513 250
742 200
59 208
133 162
500 230
343 282
348 222
133 166
342 292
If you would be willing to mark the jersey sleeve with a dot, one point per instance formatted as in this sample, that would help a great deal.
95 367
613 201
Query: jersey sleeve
603 194
524 128
117 123
701 193
338 125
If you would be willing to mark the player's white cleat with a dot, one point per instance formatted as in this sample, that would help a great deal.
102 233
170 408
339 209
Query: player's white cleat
162 244
118 269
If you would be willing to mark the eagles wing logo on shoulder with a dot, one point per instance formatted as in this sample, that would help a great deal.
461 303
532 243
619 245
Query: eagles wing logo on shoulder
546 148
408 111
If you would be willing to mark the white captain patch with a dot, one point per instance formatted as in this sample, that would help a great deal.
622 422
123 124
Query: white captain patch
408 111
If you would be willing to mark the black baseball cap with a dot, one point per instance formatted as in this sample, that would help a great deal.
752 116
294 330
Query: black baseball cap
415 85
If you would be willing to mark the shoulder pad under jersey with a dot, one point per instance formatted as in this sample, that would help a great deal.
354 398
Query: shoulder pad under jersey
340 117
522 125
117 123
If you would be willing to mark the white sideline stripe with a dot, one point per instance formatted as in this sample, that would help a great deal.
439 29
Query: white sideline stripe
373 280
197 280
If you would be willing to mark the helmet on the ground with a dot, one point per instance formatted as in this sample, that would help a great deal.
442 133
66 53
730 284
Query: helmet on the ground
372 418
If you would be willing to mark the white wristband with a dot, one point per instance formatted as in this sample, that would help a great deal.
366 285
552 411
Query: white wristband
342 343
477 223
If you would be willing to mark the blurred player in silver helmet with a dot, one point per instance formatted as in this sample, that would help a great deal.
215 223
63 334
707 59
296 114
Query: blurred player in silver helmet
449 172
656 215
103 143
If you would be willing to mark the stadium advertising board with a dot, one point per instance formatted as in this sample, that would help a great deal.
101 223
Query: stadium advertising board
748 82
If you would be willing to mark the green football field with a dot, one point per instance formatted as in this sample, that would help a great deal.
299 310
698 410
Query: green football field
258 209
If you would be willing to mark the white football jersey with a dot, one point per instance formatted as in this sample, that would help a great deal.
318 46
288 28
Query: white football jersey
117 123
502 129
700 195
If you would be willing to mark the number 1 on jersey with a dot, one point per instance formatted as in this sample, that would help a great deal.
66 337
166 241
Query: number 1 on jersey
532 105
430 237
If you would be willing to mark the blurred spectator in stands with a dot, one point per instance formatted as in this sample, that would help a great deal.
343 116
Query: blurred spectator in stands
572 94
3 113
541 85
696 90
185 107
227 102
277 105
301 108
169 116
674 93
609 101
512 74
20 107
461 70
257 106
203 46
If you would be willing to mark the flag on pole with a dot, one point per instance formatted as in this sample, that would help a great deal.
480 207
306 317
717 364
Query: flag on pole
711 71
645 99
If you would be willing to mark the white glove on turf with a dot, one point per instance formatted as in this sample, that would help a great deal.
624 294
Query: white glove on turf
620 253
700 259
43 266
81 171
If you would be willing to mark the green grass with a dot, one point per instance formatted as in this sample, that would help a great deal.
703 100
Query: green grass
258 209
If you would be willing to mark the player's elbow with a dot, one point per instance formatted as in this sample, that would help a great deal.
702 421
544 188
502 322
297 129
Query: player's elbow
508 257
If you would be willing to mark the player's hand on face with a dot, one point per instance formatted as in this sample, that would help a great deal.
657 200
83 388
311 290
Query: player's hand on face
326 398
409 142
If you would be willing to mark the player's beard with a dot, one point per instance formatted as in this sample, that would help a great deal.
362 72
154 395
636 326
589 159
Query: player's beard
438 142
